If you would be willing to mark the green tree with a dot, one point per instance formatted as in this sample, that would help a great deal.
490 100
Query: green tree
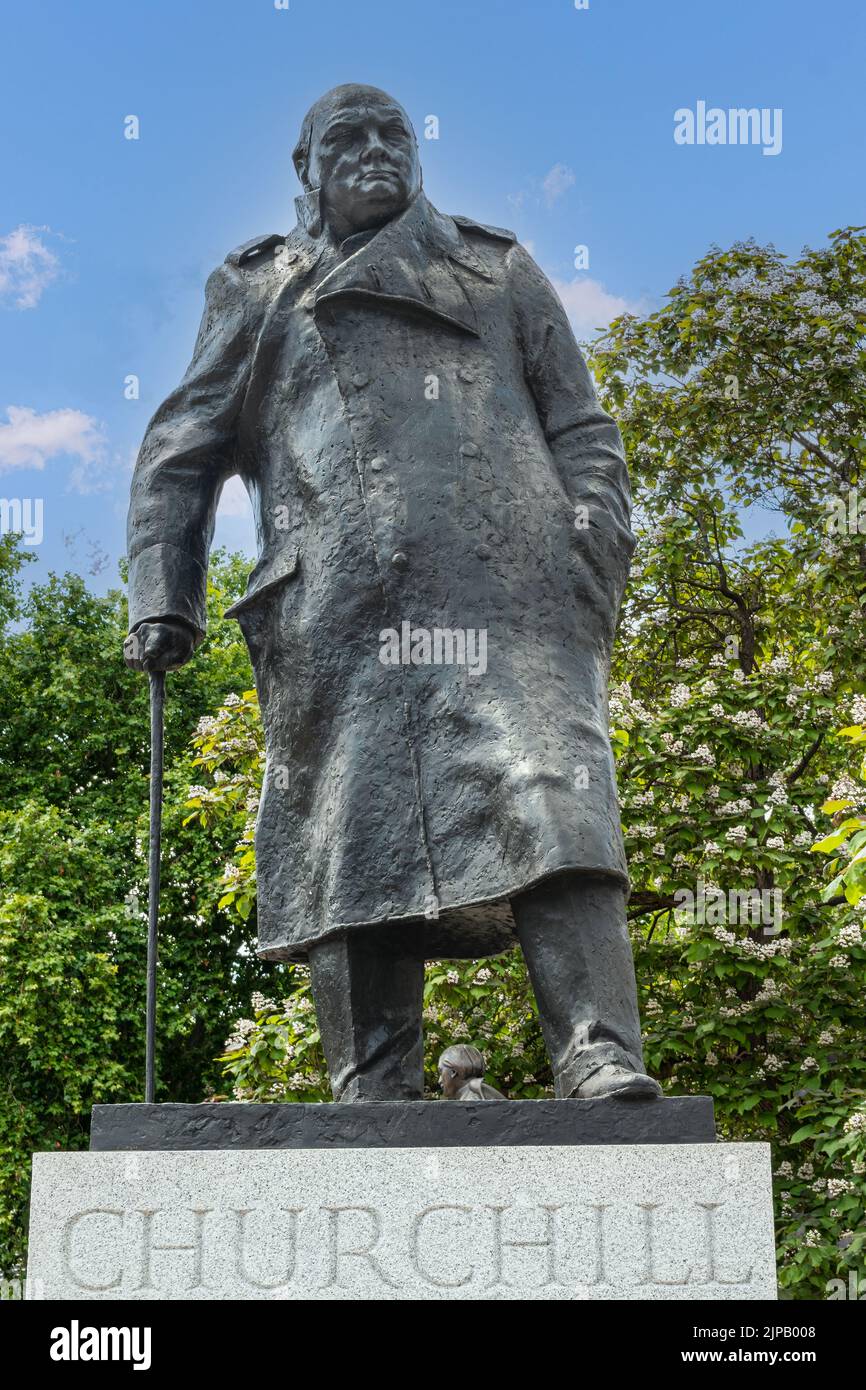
74 763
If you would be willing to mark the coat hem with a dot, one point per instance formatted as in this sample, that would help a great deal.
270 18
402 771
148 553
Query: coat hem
490 937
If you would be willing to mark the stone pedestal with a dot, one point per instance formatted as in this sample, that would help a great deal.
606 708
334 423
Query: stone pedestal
383 1220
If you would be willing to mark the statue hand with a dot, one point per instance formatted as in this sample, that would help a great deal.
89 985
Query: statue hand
159 646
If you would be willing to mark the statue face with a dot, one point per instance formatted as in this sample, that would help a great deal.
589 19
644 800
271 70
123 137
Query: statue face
449 1079
364 159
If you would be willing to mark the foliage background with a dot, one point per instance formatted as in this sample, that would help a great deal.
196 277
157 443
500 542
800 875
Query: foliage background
738 714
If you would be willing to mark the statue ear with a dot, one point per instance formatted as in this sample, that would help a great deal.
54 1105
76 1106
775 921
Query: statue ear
309 209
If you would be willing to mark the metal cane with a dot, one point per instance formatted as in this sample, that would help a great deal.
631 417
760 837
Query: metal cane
157 707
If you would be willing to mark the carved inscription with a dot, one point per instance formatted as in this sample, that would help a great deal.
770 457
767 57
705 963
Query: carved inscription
336 1249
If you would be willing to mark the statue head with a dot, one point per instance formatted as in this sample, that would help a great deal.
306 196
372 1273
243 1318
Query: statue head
457 1066
357 150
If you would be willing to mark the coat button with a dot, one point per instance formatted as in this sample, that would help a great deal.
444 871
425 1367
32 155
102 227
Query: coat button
400 560
359 381
483 552
377 465
469 450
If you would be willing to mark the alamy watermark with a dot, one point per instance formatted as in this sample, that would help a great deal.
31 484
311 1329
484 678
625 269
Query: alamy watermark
22 515
438 646
846 516
738 125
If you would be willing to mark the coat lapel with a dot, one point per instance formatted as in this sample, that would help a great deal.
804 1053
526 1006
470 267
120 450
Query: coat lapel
410 264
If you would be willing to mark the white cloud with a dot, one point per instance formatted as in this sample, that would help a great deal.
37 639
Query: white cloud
590 306
27 266
556 181
29 439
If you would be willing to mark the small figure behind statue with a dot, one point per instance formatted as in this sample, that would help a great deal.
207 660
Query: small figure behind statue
461 1075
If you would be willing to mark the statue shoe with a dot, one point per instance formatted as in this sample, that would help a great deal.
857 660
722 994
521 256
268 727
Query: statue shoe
620 1082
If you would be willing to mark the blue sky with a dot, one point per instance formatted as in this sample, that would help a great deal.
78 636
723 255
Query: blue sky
554 121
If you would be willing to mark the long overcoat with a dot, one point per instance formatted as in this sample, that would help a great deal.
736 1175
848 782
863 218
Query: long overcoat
425 454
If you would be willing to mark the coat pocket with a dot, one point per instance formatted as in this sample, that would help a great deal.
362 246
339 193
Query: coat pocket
264 580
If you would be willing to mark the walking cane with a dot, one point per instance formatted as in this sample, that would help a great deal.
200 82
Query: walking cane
157 707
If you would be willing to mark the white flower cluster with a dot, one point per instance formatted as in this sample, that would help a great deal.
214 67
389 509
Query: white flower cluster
749 719
775 842
850 935
766 950
646 798
737 834
779 664
768 992
680 695
858 709
704 754
856 1123
736 808
644 832
837 1187
803 839
717 711
845 789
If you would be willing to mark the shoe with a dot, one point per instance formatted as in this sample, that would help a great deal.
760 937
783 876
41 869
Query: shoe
620 1082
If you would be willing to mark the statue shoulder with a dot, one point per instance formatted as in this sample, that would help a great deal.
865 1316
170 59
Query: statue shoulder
481 229
256 252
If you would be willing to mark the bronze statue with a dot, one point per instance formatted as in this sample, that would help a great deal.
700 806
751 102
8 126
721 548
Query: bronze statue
461 1075
443 518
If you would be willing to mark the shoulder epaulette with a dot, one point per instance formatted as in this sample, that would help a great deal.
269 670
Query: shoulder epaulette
466 224
257 247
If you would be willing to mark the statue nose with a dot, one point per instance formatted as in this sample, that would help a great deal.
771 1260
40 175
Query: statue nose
373 146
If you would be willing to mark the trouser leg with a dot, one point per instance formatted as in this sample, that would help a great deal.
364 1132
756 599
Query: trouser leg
368 988
573 934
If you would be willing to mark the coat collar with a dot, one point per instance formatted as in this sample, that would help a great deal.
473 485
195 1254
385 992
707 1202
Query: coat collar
410 263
